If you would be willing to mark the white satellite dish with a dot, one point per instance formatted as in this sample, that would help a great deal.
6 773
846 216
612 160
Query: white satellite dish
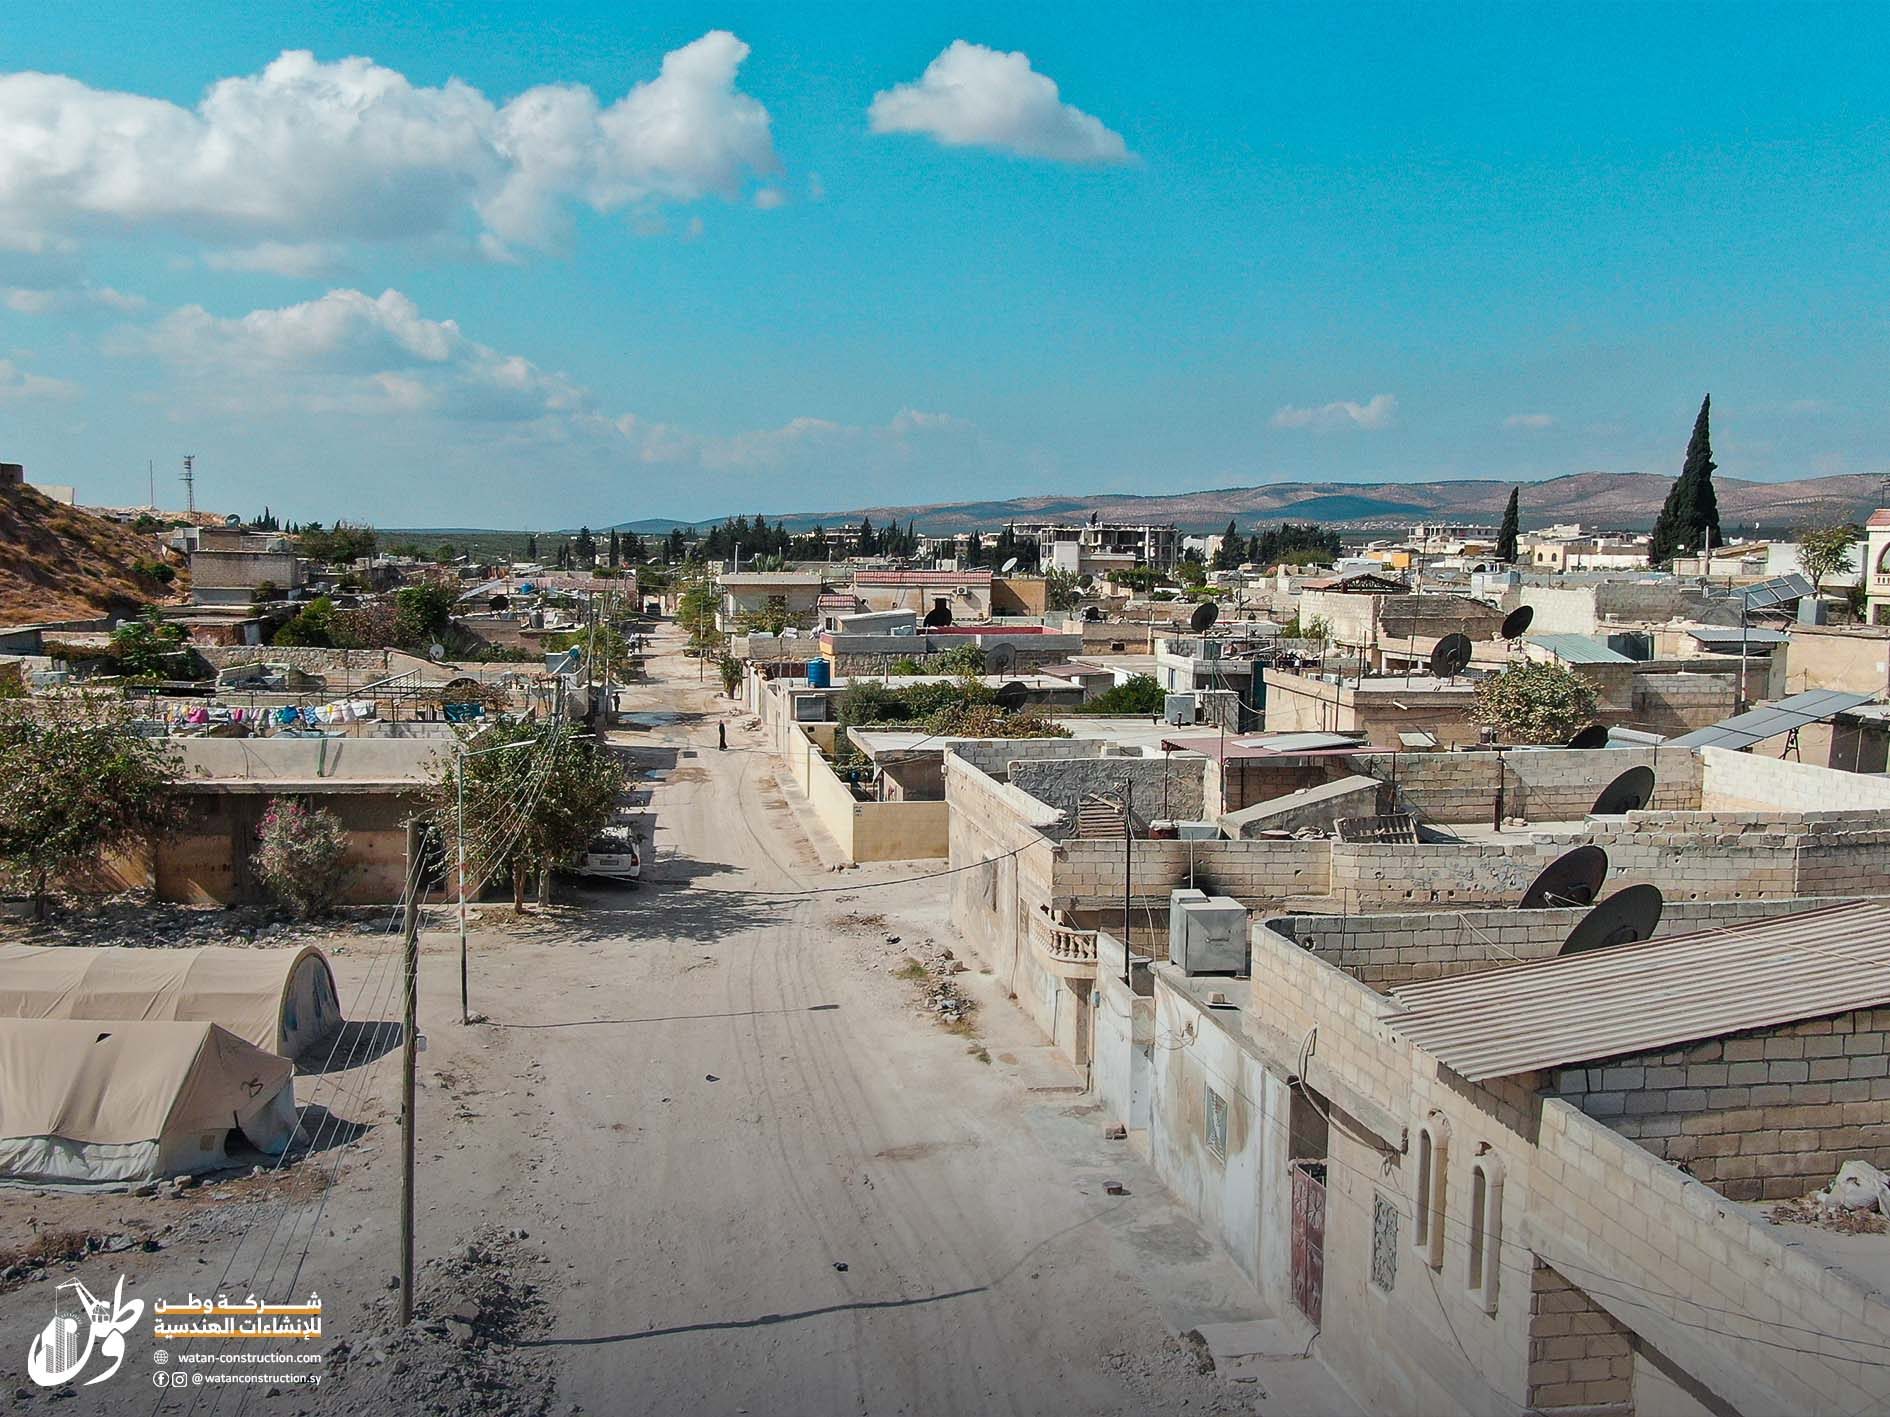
1008 567
436 650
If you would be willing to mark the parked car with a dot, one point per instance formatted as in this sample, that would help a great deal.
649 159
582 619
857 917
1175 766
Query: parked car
614 855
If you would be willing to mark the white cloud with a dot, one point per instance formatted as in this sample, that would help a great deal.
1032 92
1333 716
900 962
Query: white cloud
17 385
307 150
303 259
29 300
1531 421
1375 413
770 198
349 353
1809 406
973 96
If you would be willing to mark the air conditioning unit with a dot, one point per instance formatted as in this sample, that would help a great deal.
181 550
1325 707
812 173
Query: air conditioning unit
1212 938
1180 709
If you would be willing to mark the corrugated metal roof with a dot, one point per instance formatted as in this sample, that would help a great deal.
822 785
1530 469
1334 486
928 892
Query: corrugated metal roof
1753 635
1579 649
1742 730
1658 993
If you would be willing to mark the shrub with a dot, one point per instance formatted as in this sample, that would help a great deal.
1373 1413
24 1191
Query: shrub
300 856
1534 703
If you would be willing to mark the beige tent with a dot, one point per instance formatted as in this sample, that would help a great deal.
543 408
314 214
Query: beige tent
100 1100
281 1000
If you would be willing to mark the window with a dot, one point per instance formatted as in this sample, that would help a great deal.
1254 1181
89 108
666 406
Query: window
1216 1118
1486 1229
1384 1241
1427 1205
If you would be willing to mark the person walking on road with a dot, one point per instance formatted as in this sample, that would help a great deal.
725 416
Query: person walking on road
721 735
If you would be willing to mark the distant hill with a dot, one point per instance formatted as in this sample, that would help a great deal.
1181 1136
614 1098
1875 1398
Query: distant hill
1613 500
60 563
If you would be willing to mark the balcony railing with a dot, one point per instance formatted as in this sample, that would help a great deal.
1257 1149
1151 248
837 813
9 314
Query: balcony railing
1068 951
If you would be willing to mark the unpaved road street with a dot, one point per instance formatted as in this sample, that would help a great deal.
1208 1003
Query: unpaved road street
751 1174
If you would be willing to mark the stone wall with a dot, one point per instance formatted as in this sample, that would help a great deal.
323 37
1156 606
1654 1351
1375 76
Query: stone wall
1319 807
1764 1115
1672 704
1167 787
1581 1359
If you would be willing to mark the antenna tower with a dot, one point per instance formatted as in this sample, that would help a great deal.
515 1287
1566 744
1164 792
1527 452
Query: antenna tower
190 483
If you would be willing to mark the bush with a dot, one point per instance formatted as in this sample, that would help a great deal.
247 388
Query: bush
1135 697
300 857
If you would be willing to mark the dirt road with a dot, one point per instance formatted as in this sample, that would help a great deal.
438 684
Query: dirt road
750 1174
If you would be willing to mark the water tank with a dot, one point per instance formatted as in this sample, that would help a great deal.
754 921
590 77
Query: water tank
1179 709
1212 938
819 674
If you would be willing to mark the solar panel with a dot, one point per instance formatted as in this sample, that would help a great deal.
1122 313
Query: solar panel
1756 725
1777 591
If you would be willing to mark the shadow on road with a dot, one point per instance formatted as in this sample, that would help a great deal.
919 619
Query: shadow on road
675 1018
672 910
761 1321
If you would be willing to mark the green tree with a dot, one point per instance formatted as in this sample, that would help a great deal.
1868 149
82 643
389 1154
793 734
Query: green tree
79 782
1512 526
527 808
966 658
730 668
1063 589
1137 696
345 541
615 554
1825 550
300 856
314 624
584 550
421 614
868 544
531 547
1530 702
1228 554
150 647
1689 520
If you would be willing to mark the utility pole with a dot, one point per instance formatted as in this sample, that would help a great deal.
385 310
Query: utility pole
410 951
150 481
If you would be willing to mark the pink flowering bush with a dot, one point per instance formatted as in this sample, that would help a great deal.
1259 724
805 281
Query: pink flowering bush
300 856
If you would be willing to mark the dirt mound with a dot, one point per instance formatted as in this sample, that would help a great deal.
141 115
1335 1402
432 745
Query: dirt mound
60 563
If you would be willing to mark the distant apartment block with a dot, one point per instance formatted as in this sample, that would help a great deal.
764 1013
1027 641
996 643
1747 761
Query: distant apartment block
1097 547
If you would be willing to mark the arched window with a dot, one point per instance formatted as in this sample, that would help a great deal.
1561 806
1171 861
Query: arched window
1486 1229
1427 1205
1883 559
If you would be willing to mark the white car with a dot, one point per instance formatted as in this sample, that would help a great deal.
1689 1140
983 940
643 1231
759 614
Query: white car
613 856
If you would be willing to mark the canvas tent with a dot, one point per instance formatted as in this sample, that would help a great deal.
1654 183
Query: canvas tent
279 1000
101 1100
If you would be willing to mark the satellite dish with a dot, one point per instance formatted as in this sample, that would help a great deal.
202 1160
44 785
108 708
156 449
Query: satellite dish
1205 614
436 650
1573 878
1516 622
1629 792
1091 614
938 616
1593 736
1011 697
1623 918
1008 567
1450 656
1000 657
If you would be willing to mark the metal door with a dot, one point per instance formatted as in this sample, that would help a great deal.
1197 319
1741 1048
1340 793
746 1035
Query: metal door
1309 1236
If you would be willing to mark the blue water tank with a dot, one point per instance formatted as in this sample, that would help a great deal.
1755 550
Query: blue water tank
819 674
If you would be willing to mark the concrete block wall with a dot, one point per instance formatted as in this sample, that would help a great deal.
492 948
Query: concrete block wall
1243 782
1710 855
1580 1357
1317 807
1763 1115
1748 782
993 757
1546 785
1676 703
1386 951
1252 872
1375 876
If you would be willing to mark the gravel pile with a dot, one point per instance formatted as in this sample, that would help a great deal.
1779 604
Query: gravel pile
135 922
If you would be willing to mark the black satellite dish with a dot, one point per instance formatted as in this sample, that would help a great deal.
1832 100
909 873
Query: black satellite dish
1011 697
1573 878
1517 621
1629 792
938 616
1091 614
1624 917
1205 614
1450 656
1593 736
999 657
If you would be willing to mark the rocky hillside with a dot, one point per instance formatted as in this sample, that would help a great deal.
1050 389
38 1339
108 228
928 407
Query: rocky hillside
60 563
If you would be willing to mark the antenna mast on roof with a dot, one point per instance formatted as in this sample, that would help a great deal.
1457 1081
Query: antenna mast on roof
190 483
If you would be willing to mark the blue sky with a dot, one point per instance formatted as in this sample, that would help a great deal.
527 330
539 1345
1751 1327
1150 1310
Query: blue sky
826 256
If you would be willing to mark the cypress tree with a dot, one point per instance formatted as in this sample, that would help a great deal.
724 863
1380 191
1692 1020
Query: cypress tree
1691 513
1506 538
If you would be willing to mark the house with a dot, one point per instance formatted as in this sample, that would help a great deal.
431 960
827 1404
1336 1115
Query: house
769 600
1097 547
230 566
